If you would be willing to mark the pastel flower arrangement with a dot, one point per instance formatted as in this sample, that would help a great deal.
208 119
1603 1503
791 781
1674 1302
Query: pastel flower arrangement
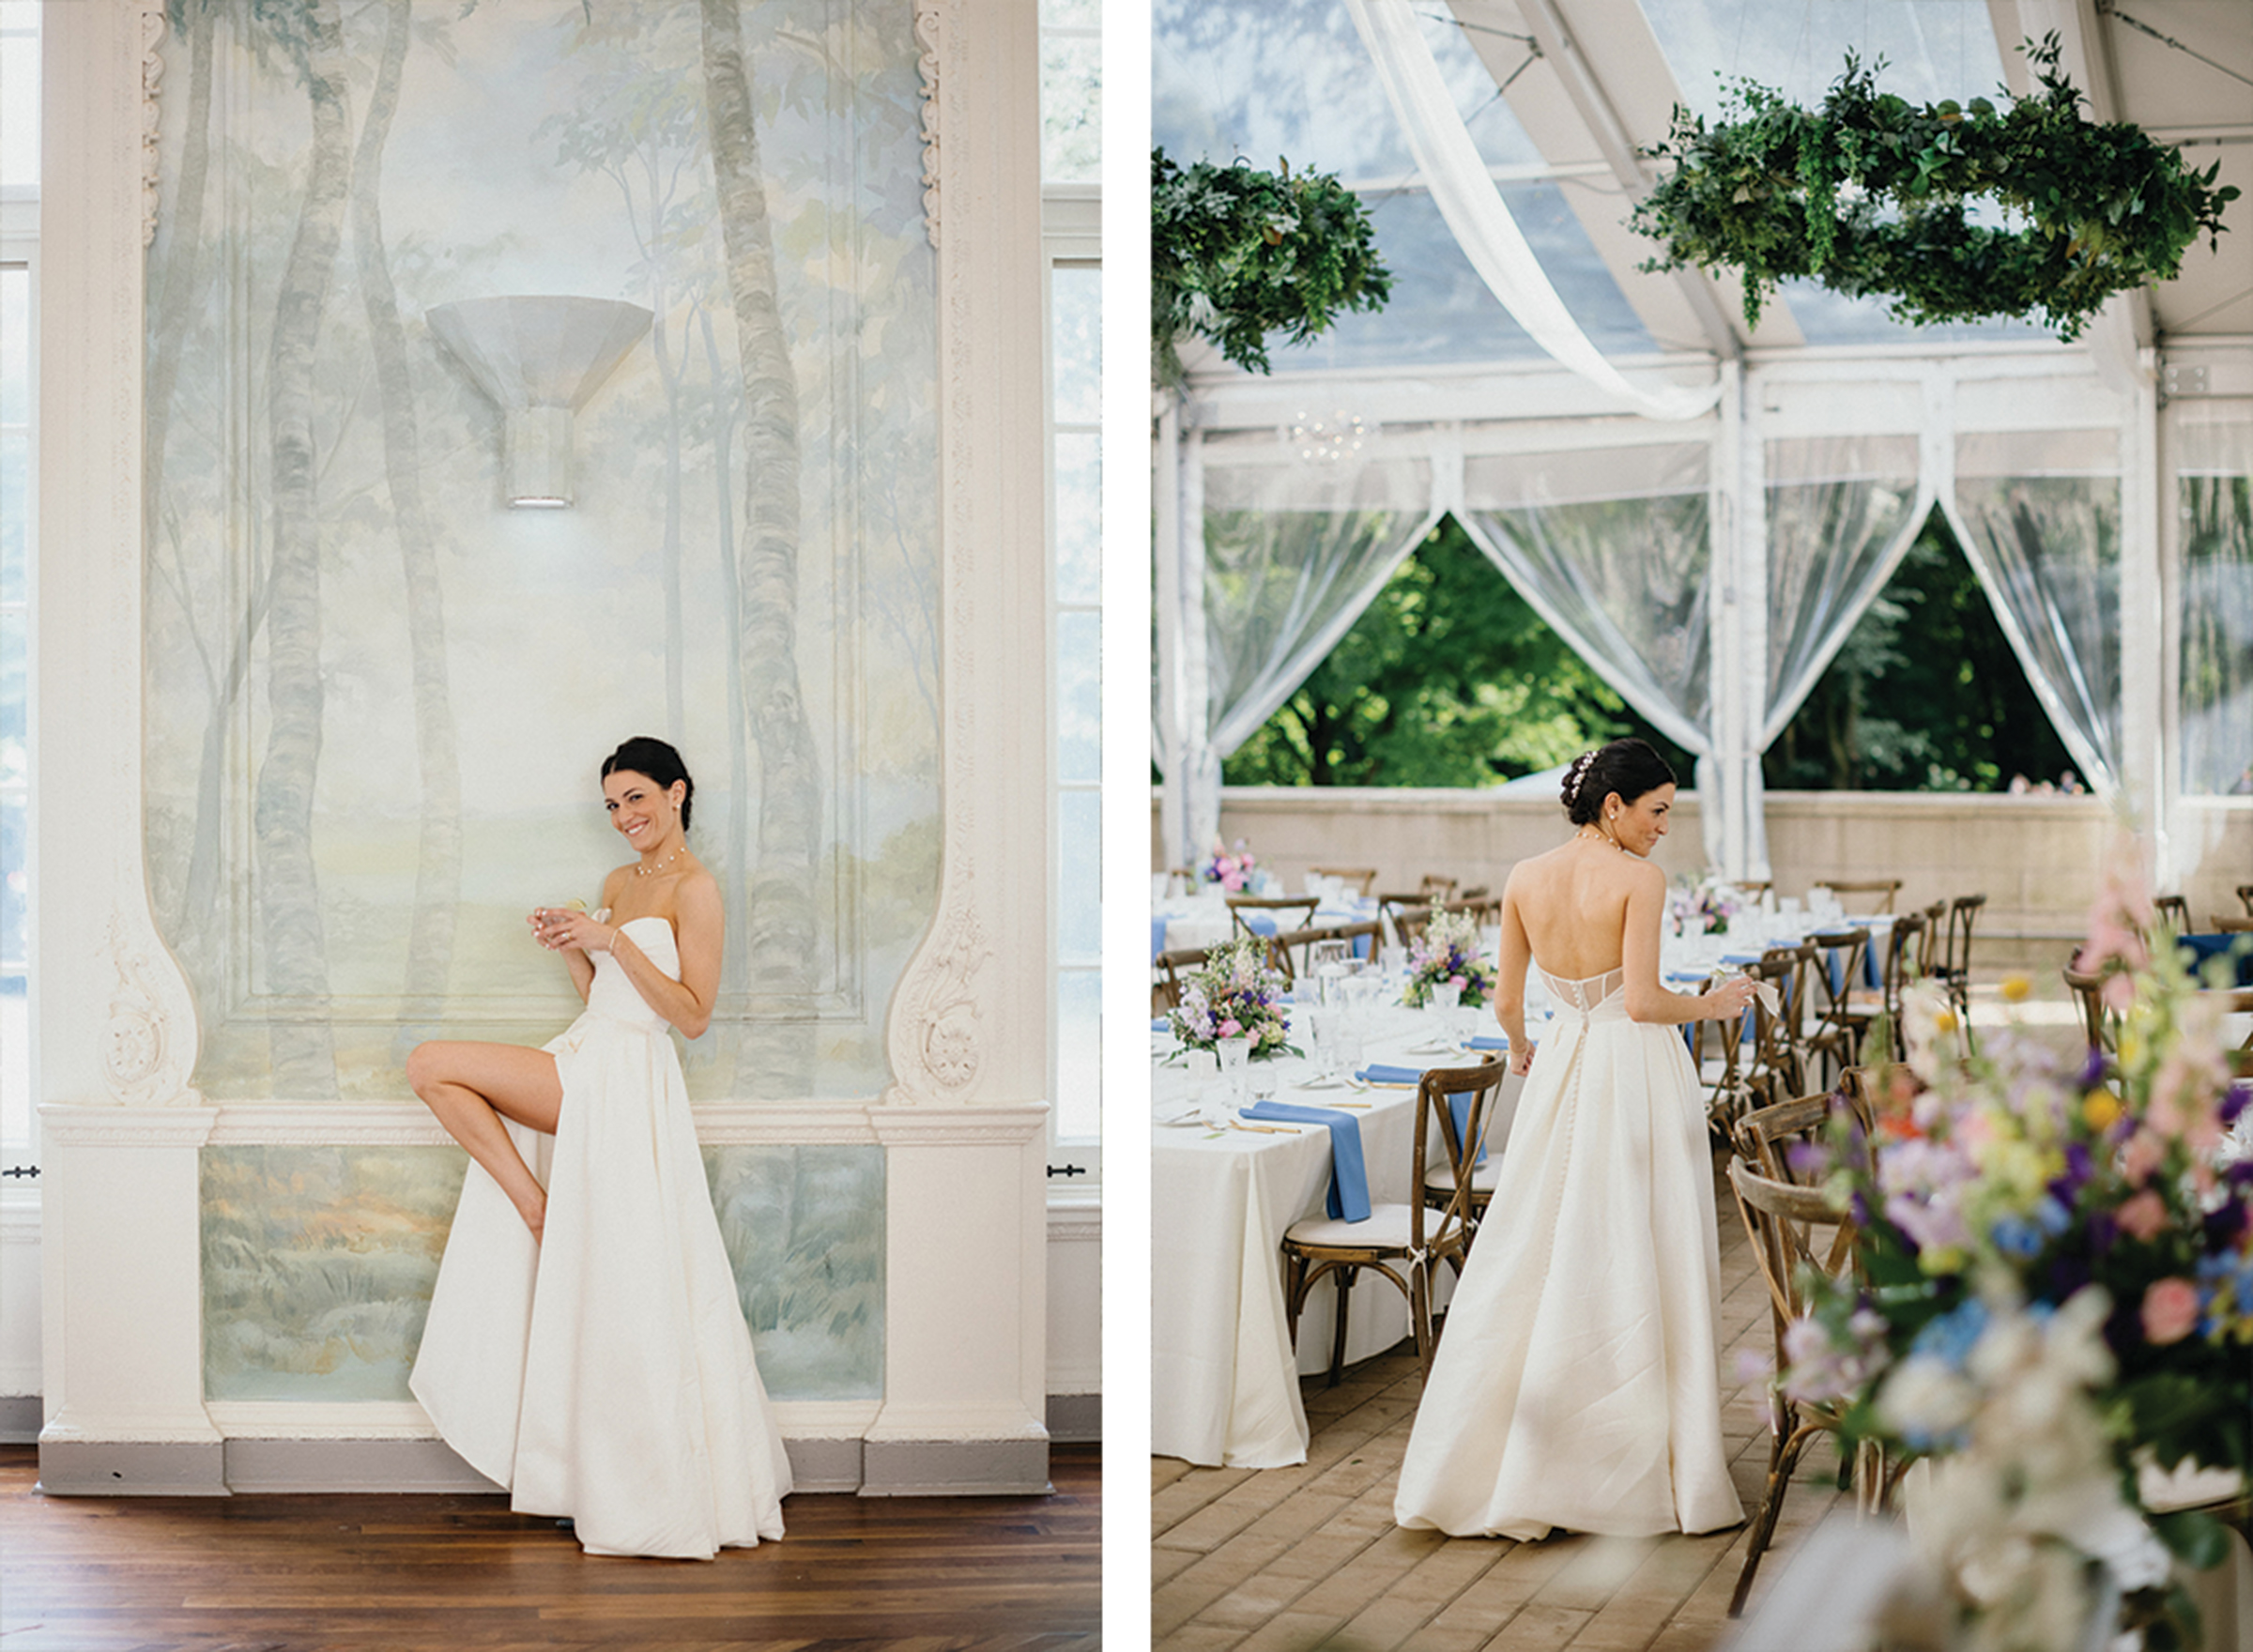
1706 907
1448 950
1234 993
1231 870
2013 1194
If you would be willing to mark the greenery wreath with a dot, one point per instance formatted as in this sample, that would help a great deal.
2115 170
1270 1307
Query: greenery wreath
1236 253
1870 194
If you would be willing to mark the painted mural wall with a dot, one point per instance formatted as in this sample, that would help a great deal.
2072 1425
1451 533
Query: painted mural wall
377 695
319 1264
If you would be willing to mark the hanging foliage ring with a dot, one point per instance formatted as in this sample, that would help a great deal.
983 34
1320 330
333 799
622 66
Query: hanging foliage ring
1873 195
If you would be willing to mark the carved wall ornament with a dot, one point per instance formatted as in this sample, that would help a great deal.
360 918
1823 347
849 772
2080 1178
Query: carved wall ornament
152 73
141 1063
931 18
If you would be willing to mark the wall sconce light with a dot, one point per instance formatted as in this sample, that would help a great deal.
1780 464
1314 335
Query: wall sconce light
540 360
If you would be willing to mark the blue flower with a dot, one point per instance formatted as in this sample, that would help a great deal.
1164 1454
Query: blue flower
1951 1337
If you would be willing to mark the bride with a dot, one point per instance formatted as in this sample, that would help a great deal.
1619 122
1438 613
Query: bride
1575 1387
585 1348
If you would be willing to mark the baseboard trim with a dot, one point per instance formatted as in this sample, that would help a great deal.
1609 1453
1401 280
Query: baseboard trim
283 1466
954 1468
134 1468
21 1417
1074 1418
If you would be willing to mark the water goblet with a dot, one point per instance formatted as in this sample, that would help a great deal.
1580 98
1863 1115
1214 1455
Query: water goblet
1235 1055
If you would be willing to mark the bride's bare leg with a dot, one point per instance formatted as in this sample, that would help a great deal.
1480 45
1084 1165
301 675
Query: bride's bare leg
471 1088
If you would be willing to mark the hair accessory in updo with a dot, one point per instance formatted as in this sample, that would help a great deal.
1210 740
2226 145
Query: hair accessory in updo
1575 776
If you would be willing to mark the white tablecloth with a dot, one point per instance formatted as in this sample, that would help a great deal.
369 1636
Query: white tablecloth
1224 1386
1205 920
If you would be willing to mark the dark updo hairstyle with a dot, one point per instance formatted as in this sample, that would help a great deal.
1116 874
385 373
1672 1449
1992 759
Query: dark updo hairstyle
645 754
1627 767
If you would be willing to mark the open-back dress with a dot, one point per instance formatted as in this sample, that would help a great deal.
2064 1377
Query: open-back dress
1575 1386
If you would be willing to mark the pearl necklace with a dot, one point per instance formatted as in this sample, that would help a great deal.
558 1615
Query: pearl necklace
642 871
1601 836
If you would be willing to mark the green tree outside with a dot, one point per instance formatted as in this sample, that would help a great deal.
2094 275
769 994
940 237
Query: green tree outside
1450 679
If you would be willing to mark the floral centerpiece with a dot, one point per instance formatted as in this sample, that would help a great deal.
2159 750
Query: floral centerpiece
1230 871
1448 950
2012 1187
1704 908
1234 993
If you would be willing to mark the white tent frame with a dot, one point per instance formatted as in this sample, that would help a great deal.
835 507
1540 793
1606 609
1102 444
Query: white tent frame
1962 391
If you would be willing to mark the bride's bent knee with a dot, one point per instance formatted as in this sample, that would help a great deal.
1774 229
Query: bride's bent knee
423 1069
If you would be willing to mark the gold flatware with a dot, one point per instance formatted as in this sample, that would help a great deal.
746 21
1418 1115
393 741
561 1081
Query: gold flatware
1264 1129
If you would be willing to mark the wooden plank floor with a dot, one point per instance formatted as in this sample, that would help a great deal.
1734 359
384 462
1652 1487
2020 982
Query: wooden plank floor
1287 1560
399 1573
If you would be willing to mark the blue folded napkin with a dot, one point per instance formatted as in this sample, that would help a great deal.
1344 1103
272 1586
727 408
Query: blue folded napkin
1489 1041
1157 936
1378 1074
1740 958
1258 923
2197 949
1348 1196
1162 1023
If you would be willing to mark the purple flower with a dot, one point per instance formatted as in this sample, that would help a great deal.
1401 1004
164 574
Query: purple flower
2234 1102
2092 1070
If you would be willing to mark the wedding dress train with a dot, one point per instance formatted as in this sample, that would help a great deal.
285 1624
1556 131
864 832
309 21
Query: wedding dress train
606 1373
1575 1384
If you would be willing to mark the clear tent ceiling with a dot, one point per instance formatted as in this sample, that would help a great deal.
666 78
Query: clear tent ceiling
1271 80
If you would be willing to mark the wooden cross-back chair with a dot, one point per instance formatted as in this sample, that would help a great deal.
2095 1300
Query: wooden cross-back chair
1408 921
1954 972
1166 970
1717 1049
1883 889
1864 1006
2099 1023
2171 912
2225 925
1833 1041
1410 1238
1293 952
1794 1233
2245 893
1359 877
1929 941
1780 1040
1435 888
1269 915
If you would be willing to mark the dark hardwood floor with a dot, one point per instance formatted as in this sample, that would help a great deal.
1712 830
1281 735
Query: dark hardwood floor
374 1574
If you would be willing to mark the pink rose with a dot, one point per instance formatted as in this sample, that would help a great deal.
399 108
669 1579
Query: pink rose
2170 1310
2143 1217
1458 982
2141 1159
1231 1028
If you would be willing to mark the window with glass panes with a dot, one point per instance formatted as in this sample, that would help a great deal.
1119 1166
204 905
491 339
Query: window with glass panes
19 248
1070 89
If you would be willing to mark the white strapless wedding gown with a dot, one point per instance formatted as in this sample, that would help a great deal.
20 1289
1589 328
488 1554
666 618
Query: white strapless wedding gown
1575 1384
606 1373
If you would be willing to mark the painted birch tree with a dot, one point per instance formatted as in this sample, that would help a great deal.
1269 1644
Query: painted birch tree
438 857
289 906
781 883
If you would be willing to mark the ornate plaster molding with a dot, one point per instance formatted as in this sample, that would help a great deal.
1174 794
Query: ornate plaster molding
152 75
148 1042
117 1126
957 1126
931 20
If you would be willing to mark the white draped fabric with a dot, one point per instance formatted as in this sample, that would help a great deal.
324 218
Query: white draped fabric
1842 510
1293 552
2039 515
1450 166
1613 549
2211 458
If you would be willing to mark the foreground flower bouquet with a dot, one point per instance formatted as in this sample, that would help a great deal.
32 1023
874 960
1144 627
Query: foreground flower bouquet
1449 951
2105 1206
1236 993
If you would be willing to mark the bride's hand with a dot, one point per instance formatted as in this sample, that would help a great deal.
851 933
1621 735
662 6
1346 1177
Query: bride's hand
1521 1059
561 929
1730 998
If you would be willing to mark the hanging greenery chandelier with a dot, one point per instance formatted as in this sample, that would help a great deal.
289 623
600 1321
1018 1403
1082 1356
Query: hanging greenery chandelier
1873 195
1236 253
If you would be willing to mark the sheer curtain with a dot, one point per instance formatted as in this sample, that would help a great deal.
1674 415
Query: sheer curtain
2211 452
1293 552
1612 547
1842 510
2038 512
